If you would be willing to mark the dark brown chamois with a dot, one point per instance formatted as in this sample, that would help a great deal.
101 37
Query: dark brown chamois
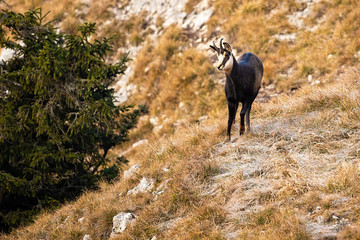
243 81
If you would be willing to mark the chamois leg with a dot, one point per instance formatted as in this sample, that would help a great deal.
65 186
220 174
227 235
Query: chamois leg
248 118
236 108
232 112
243 111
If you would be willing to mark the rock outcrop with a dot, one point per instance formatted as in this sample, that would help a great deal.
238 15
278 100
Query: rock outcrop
145 185
120 223
133 170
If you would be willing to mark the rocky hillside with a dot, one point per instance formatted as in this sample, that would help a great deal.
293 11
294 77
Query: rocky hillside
301 42
294 177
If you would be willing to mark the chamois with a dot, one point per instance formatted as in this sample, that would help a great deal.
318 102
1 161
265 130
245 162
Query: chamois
243 80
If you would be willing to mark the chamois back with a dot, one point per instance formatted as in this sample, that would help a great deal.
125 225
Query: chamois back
256 65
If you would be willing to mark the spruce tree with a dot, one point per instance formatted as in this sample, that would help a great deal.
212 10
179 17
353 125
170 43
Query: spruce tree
58 117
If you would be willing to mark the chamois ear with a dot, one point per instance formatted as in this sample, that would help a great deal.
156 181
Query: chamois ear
227 47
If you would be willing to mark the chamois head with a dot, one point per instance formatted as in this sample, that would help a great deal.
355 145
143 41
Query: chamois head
224 55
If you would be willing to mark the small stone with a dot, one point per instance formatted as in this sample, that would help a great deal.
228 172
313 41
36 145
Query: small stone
141 142
87 237
120 222
286 37
6 54
134 169
81 220
145 185
310 78
203 118
161 188
357 54
154 121
146 70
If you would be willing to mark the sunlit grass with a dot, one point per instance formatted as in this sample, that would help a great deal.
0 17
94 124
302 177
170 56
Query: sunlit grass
306 142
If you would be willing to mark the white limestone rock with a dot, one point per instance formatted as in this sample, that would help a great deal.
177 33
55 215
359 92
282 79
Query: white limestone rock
285 37
145 185
154 121
81 220
134 169
120 223
87 237
161 188
196 20
6 54
140 142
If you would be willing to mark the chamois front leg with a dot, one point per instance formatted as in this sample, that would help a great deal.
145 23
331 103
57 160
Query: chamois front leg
232 111
236 108
243 111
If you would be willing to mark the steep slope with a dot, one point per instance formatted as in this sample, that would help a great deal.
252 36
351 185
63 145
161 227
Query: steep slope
301 42
295 177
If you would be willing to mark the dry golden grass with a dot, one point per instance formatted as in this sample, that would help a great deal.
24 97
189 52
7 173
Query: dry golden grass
190 5
299 166
325 42
179 83
64 11
297 171
177 74
172 77
343 96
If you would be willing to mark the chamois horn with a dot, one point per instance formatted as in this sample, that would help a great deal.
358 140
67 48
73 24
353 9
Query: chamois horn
217 49
221 44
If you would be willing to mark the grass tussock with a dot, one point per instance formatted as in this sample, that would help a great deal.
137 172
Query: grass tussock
274 224
342 96
347 176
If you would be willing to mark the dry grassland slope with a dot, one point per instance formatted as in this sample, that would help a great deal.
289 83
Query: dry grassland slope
301 42
294 177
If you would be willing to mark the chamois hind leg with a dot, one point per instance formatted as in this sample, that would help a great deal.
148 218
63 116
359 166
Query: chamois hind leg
232 112
248 128
243 111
